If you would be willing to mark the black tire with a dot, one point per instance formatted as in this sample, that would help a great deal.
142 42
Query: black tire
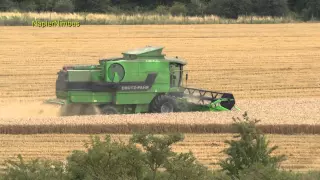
163 104
78 110
108 110
88 109
70 110
228 104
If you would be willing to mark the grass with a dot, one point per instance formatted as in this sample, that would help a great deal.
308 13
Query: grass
25 19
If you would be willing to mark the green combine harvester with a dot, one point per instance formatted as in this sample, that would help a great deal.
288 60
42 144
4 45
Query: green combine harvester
141 81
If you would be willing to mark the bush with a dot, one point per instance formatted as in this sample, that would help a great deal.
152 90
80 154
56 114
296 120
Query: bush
7 5
64 6
162 10
179 166
178 9
150 157
272 8
224 8
34 170
262 172
113 160
28 6
250 148
196 7
106 160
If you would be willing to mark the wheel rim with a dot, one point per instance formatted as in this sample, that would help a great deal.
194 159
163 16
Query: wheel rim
166 107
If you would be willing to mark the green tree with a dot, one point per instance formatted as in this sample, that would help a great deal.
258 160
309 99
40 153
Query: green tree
28 5
229 8
106 160
44 5
158 149
272 8
162 10
163 163
96 6
313 8
178 9
249 148
153 161
7 5
196 7
64 6
184 166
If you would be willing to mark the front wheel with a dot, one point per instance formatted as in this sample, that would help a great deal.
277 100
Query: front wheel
163 104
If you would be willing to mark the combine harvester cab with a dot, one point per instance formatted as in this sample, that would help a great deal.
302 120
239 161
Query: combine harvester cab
141 81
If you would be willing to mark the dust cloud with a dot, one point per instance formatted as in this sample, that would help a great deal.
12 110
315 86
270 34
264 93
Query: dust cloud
28 109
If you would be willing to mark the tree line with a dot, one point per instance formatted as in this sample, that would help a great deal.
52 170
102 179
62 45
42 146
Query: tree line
302 9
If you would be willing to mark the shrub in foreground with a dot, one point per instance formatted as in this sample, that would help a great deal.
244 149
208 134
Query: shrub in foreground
150 157
37 169
249 148
145 157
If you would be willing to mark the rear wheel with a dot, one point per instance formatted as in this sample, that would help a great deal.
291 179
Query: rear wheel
163 104
108 110
70 110
78 109
88 109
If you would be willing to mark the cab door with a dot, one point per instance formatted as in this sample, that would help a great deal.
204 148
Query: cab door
175 74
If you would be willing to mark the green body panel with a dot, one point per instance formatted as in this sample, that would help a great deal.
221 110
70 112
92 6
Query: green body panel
79 75
138 70
84 75
89 97
134 98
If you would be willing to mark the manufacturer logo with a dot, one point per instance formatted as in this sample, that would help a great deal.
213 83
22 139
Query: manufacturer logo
129 88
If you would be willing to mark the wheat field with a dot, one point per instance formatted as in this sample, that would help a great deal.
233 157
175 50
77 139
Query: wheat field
252 61
272 70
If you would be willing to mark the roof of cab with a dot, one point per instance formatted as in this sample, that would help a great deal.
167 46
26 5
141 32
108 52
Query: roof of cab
146 51
150 51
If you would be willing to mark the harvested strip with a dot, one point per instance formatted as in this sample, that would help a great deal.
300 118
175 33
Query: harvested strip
269 111
155 128
284 116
